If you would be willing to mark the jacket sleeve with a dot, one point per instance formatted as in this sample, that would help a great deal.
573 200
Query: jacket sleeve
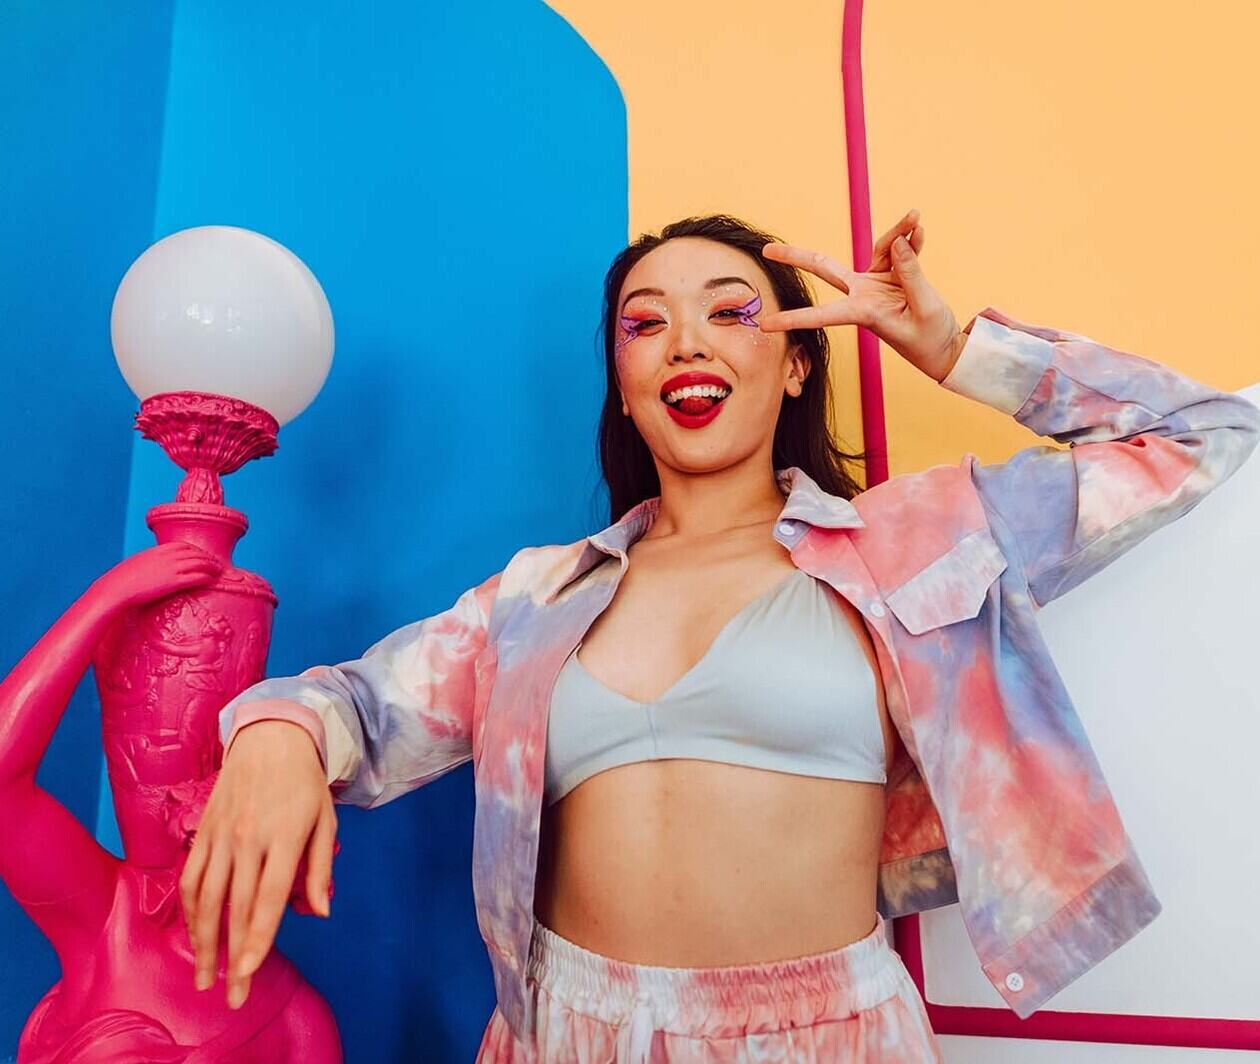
1145 444
392 720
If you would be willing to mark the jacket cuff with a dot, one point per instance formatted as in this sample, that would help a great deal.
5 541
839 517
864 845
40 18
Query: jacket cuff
281 709
1000 364
1084 932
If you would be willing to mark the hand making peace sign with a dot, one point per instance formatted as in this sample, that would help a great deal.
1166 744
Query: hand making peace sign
893 299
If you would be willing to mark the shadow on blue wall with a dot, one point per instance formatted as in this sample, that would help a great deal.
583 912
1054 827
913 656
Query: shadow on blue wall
455 176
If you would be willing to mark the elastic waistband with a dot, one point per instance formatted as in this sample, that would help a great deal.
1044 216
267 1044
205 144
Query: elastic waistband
836 983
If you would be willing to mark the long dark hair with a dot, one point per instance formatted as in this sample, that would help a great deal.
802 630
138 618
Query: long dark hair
802 436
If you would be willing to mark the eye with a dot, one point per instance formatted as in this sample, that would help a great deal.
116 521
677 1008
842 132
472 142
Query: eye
639 324
727 310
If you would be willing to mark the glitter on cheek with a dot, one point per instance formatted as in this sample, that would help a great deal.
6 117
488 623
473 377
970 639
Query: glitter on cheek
747 315
626 334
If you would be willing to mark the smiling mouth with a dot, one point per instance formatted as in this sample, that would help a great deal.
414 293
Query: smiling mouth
696 400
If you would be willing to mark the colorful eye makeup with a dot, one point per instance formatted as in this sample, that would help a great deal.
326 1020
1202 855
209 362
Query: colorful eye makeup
746 312
631 326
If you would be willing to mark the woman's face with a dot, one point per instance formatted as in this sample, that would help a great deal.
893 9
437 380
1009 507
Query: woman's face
692 306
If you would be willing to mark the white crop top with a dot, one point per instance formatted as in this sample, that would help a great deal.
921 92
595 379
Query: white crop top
784 686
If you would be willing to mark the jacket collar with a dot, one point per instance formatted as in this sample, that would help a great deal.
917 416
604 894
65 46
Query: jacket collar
805 502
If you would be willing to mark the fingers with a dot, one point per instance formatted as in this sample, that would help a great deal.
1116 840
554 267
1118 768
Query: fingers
190 884
245 869
279 866
181 550
917 238
918 292
188 555
202 575
198 569
186 564
209 908
824 266
880 253
839 312
319 861
836 273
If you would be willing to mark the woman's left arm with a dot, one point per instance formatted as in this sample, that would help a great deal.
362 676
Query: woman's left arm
1145 444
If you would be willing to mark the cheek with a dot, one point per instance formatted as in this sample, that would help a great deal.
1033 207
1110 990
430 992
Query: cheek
621 359
761 342
621 350
751 352
631 354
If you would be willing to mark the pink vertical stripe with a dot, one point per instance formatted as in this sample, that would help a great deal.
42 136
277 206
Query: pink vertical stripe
870 379
1184 1031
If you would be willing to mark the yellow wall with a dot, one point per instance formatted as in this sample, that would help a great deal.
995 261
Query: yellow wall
731 108
1091 167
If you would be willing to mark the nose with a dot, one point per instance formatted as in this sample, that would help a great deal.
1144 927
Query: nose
689 343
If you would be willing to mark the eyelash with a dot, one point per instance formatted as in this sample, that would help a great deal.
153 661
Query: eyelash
644 323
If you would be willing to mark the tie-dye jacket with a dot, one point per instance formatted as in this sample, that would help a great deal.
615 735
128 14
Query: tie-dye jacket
997 801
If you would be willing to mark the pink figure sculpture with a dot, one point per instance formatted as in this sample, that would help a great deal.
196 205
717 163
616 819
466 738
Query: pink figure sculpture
173 633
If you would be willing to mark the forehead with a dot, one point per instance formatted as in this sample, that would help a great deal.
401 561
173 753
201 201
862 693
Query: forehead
685 264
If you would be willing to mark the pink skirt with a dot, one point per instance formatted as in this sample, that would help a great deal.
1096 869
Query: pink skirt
852 1004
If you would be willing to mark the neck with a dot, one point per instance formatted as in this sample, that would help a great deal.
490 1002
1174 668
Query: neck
695 505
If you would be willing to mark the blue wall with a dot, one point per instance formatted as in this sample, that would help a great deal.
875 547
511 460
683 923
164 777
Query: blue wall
81 104
456 179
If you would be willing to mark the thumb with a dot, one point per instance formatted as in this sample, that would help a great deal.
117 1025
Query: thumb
906 266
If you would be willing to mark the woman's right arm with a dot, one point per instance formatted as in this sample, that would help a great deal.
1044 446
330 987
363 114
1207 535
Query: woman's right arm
375 727
392 720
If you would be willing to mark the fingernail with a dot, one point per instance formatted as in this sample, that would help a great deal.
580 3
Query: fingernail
204 981
236 995
246 964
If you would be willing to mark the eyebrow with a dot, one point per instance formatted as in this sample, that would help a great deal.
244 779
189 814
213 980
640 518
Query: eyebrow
715 282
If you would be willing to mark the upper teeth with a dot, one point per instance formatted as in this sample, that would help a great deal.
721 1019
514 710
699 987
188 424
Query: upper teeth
715 390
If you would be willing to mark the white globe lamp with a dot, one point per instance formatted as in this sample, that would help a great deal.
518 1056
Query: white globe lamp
223 310
224 335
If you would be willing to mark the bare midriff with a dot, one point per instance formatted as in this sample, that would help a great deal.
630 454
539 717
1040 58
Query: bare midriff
689 863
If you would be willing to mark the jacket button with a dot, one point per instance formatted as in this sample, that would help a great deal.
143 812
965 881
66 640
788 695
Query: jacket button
877 609
1015 981
786 527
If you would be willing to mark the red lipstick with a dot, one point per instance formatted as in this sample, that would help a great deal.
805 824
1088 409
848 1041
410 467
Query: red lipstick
683 380
694 419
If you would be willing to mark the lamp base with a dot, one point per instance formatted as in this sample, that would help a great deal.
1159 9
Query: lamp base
207 436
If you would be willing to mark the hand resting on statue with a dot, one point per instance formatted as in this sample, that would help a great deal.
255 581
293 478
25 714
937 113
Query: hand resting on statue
270 809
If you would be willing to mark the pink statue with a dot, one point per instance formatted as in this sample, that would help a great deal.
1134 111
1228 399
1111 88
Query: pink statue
173 633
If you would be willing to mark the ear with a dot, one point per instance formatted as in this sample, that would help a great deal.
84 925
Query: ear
799 369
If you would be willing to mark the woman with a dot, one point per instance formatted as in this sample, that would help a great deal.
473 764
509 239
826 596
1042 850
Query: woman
717 744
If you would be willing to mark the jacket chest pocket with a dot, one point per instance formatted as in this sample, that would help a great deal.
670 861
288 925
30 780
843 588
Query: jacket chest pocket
485 668
951 588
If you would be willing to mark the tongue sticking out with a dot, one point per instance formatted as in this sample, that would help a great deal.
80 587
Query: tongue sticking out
696 404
